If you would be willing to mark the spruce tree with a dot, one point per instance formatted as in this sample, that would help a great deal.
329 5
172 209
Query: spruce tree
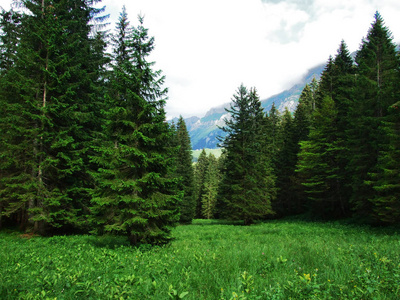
326 83
386 181
248 185
136 191
54 115
303 114
337 82
211 182
376 90
272 131
184 170
10 22
10 28
200 171
286 160
318 163
302 119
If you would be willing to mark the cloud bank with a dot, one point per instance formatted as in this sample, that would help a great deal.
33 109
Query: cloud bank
208 48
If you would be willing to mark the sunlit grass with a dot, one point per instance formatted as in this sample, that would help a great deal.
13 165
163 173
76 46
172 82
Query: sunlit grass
208 260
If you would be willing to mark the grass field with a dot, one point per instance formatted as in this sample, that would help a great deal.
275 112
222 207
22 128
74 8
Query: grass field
285 259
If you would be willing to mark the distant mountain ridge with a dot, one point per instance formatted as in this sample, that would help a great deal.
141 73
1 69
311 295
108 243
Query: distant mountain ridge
204 131
289 98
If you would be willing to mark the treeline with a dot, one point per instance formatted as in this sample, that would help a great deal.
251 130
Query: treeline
85 146
337 156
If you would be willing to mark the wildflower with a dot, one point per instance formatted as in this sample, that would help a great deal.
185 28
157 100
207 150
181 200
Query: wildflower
307 277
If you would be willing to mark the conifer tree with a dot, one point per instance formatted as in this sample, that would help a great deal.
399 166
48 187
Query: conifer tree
386 180
342 80
10 23
200 171
184 170
211 182
54 115
136 193
248 185
376 90
318 163
285 203
337 82
326 83
301 127
303 114
272 133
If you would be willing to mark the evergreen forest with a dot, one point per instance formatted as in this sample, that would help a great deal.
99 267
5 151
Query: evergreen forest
86 148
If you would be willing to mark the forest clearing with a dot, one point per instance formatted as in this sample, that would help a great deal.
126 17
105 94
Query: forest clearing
87 147
210 259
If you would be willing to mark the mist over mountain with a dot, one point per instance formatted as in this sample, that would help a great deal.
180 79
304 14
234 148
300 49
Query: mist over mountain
204 131
289 98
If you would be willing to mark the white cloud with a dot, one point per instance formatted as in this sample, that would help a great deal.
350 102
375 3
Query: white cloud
208 48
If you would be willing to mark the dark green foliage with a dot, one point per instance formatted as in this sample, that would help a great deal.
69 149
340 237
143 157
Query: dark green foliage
247 185
303 114
343 95
376 90
200 171
10 23
184 170
211 183
386 180
337 83
273 133
9 39
53 83
318 164
300 130
286 201
136 193
85 143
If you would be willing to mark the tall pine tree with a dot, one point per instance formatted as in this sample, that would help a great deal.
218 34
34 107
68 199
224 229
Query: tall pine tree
211 182
136 192
52 106
318 163
10 23
248 185
301 127
377 79
386 181
184 170
200 171
286 200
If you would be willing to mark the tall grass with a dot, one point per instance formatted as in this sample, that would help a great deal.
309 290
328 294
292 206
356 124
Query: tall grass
208 260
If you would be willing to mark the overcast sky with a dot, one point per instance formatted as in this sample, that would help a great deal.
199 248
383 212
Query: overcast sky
208 48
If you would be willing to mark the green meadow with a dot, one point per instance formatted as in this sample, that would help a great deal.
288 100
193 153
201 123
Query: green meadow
285 259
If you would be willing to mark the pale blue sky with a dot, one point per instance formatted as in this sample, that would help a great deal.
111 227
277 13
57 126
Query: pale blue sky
208 48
